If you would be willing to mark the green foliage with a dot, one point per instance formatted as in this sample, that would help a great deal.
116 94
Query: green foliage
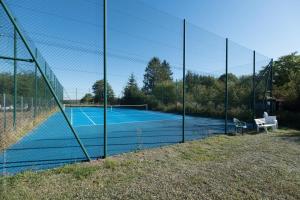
6 83
88 98
155 73
132 94
287 81
204 94
25 86
98 90
165 92
231 78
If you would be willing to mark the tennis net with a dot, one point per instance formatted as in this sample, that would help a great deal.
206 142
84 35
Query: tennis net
109 107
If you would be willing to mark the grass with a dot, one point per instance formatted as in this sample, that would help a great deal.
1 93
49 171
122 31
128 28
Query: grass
263 166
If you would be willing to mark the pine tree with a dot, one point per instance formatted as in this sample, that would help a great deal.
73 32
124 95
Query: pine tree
155 73
132 94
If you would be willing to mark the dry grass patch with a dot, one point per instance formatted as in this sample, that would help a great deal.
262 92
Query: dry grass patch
263 166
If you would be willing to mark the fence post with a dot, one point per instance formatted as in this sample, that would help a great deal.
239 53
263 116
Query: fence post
22 106
15 80
226 87
45 85
14 23
105 79
183 82
176 95
32 106
253 88
4 111
76 100
35 87
271 88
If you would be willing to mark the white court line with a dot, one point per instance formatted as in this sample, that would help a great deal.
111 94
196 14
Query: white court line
88 117
132 122
127 115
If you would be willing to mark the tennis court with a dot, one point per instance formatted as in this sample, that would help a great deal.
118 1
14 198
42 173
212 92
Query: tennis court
128 129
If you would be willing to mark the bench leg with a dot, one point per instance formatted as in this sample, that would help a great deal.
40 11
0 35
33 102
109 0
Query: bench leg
273 128
266 129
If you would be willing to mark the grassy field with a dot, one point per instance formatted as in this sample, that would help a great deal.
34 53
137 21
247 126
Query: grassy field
263 166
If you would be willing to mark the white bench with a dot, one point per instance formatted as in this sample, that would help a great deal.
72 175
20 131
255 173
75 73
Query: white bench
266 123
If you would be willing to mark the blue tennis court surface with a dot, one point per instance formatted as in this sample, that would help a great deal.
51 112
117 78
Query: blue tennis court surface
52 144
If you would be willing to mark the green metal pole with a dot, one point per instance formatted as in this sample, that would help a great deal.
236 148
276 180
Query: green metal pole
35 86
105 78
176 95
76 101
16 59
22 105
45 92
183 83
226 88
15 80
7 11
253 88
4 111
271 87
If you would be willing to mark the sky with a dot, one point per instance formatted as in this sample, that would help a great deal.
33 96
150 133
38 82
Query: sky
69 35
269 26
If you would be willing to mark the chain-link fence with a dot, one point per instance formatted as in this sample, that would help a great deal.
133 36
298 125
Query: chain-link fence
166 80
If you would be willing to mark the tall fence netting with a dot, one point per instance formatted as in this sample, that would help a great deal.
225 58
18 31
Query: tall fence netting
154 98
29 110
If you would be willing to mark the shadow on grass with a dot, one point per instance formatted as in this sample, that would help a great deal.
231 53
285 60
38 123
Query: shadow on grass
290 135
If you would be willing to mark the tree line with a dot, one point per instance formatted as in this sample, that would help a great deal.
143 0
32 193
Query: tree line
204 94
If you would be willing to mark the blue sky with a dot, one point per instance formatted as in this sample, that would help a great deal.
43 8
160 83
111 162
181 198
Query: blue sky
69 35
269 26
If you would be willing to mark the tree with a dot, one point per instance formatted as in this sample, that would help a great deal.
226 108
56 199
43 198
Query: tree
165 92
132 94
165 72
286 80
98 90
231 78
88 98
155 73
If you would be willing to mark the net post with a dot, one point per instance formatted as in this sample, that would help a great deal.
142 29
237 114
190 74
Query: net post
14 23
183 82
226 88
105 79
253 88
15 80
